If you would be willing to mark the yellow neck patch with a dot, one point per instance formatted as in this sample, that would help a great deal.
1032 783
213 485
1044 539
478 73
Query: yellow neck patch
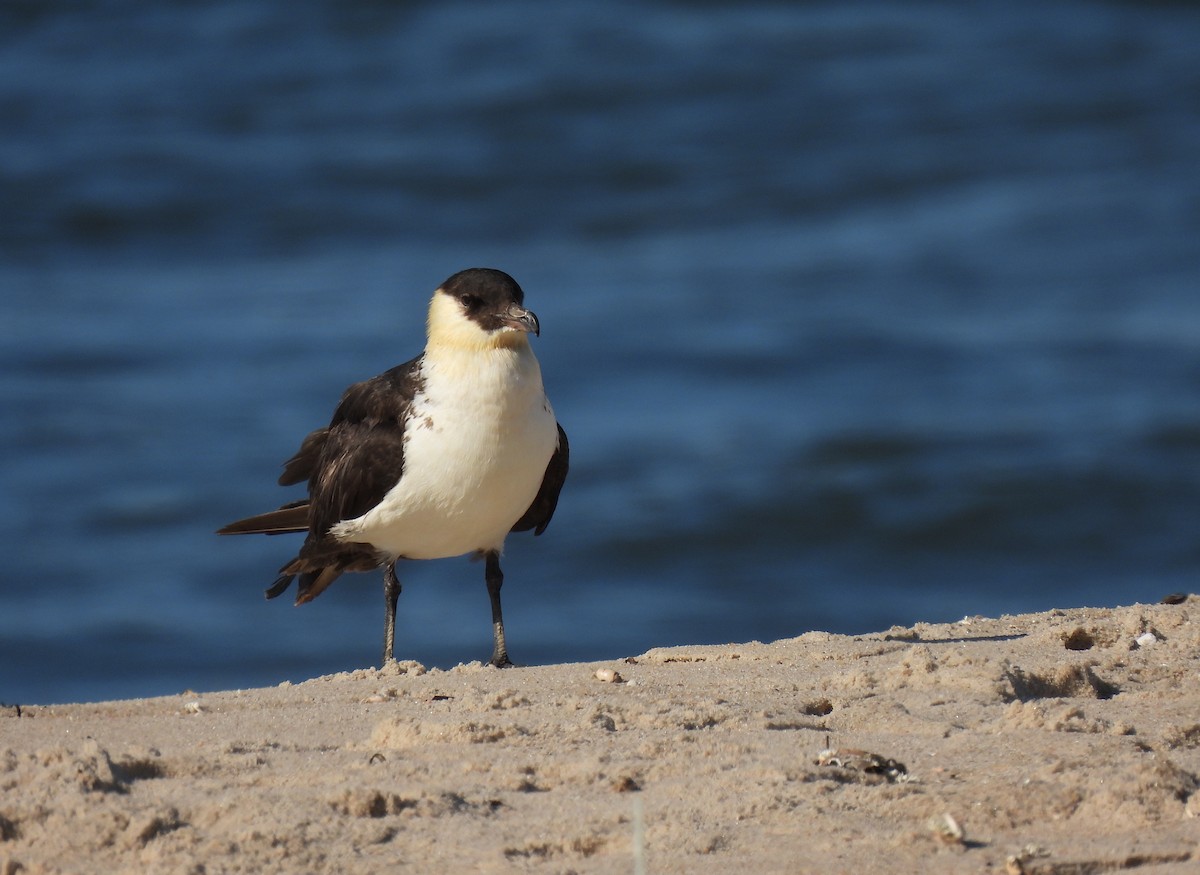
448 327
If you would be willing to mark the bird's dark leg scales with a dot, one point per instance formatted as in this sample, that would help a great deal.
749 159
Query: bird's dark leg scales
495 579
391 594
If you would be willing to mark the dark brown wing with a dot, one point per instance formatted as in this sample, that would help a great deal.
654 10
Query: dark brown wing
387 396
300 467
352 464
361 463
539 513
378 408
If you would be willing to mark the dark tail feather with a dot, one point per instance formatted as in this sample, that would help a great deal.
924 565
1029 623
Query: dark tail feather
280 585
289 518
313 583
319 569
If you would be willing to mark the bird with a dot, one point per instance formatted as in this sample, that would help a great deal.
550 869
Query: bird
439 457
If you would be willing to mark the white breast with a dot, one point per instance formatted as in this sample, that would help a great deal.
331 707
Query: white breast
476 449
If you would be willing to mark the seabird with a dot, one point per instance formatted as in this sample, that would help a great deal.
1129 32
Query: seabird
441 456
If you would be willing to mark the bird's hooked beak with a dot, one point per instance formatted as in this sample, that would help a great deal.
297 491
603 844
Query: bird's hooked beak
521 319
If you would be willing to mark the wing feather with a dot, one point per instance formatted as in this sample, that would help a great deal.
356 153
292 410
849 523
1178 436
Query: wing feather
537 517
350 465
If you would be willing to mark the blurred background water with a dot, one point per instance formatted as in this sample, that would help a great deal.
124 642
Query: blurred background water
856 313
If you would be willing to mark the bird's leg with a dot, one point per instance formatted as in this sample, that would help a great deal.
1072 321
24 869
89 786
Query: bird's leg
391 593
495 579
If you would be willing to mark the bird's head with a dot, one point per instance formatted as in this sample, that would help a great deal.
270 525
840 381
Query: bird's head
480 308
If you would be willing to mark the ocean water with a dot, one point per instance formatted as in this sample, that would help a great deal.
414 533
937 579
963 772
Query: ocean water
857 314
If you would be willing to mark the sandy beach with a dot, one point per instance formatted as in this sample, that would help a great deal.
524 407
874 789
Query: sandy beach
1061 742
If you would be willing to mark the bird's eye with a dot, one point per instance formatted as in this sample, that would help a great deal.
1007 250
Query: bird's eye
470 301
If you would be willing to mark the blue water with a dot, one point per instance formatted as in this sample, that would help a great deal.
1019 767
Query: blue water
856 313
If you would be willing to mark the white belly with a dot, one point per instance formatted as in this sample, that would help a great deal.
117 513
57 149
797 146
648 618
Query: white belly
476 450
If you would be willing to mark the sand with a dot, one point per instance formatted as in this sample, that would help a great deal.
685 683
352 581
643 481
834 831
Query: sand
1062 742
